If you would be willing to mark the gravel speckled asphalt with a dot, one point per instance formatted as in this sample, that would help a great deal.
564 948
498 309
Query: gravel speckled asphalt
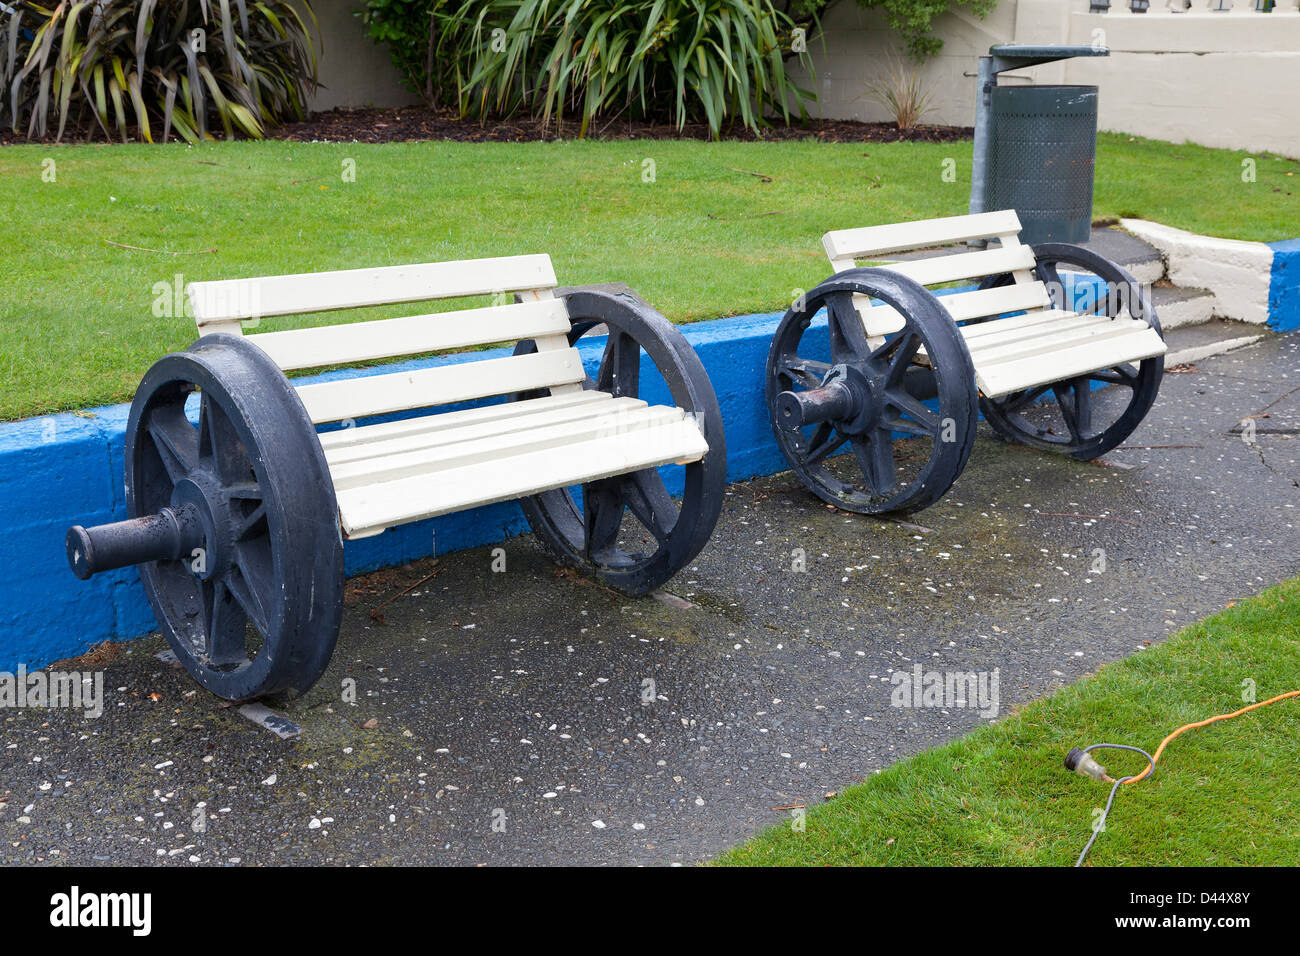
499 718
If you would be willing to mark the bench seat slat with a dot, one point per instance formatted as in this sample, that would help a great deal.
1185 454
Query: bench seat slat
519 428
997 327
444 385
1001 378
1050 343
371 508
227 300
412 335
1022 332
487 448
415 428
872 241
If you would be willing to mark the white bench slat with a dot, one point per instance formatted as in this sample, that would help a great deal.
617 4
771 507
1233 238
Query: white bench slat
499 448
1014 322
412 335
372 508
1002 378
1065 322
1048 345
345 438
871 241
965 265
230 300
443 385
521 428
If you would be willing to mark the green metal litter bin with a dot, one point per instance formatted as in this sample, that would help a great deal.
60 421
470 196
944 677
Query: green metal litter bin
1036 146
1044 154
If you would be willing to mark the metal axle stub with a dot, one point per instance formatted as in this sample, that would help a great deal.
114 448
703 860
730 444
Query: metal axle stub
844 398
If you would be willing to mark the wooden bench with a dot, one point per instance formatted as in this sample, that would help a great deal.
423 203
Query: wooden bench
238 524
1053 321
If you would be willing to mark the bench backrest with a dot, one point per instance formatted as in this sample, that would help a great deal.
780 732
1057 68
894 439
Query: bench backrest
847 247
234 306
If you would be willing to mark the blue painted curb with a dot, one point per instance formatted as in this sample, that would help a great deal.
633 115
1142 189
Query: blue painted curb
67 469
1284 286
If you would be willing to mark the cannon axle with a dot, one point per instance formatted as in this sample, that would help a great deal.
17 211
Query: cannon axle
170 534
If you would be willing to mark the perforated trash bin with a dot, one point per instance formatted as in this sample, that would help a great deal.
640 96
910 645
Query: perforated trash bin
1044 154
1036 147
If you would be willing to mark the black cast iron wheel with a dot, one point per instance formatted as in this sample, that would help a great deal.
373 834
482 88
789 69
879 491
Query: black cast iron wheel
866 395
635 558
1086 422
256 610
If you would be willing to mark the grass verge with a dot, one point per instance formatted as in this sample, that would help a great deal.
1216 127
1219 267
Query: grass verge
1227 794
701 230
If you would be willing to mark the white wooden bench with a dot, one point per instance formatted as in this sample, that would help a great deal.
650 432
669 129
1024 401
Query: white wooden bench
1050 321
258 470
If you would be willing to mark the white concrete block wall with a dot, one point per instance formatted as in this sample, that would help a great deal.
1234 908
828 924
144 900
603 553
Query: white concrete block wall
1220 79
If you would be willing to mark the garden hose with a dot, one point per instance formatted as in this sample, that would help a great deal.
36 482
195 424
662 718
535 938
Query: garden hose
1081 763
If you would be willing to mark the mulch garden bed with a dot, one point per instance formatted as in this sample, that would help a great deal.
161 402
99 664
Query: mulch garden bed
413 124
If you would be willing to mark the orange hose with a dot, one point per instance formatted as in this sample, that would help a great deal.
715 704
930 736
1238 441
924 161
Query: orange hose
1201 723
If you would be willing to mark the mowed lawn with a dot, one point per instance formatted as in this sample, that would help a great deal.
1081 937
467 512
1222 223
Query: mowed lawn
700 230
1225 794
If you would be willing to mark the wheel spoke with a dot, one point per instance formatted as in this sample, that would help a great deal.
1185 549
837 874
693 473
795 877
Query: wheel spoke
1010 405
220 443
825 440
620 366
646 497
914 408
225 625
898 353
807 372
875 454
602 515
847 333
1083 407
250 600
1075 409
1125 375
908 427
249 522
176 440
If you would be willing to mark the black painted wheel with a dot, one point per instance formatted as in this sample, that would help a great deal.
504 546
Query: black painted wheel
628 531
253 609
1077 417
869 396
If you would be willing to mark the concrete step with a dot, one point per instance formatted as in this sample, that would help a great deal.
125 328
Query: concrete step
1142 260
1193 343
1178 307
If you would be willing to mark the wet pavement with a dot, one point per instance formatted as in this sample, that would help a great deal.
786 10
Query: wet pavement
531 716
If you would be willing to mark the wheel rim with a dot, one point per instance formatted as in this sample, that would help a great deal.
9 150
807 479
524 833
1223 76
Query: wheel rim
588 526
235 611
1087 415
878 382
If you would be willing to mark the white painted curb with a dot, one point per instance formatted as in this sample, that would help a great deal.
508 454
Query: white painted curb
1237 273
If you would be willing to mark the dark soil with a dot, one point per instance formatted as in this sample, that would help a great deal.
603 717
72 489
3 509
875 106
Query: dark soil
411 124
418 123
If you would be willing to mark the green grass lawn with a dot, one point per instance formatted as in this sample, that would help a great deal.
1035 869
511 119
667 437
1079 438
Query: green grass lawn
706 238
1225 794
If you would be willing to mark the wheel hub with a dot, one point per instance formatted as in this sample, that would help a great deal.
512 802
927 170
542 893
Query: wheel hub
863 407
201 491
